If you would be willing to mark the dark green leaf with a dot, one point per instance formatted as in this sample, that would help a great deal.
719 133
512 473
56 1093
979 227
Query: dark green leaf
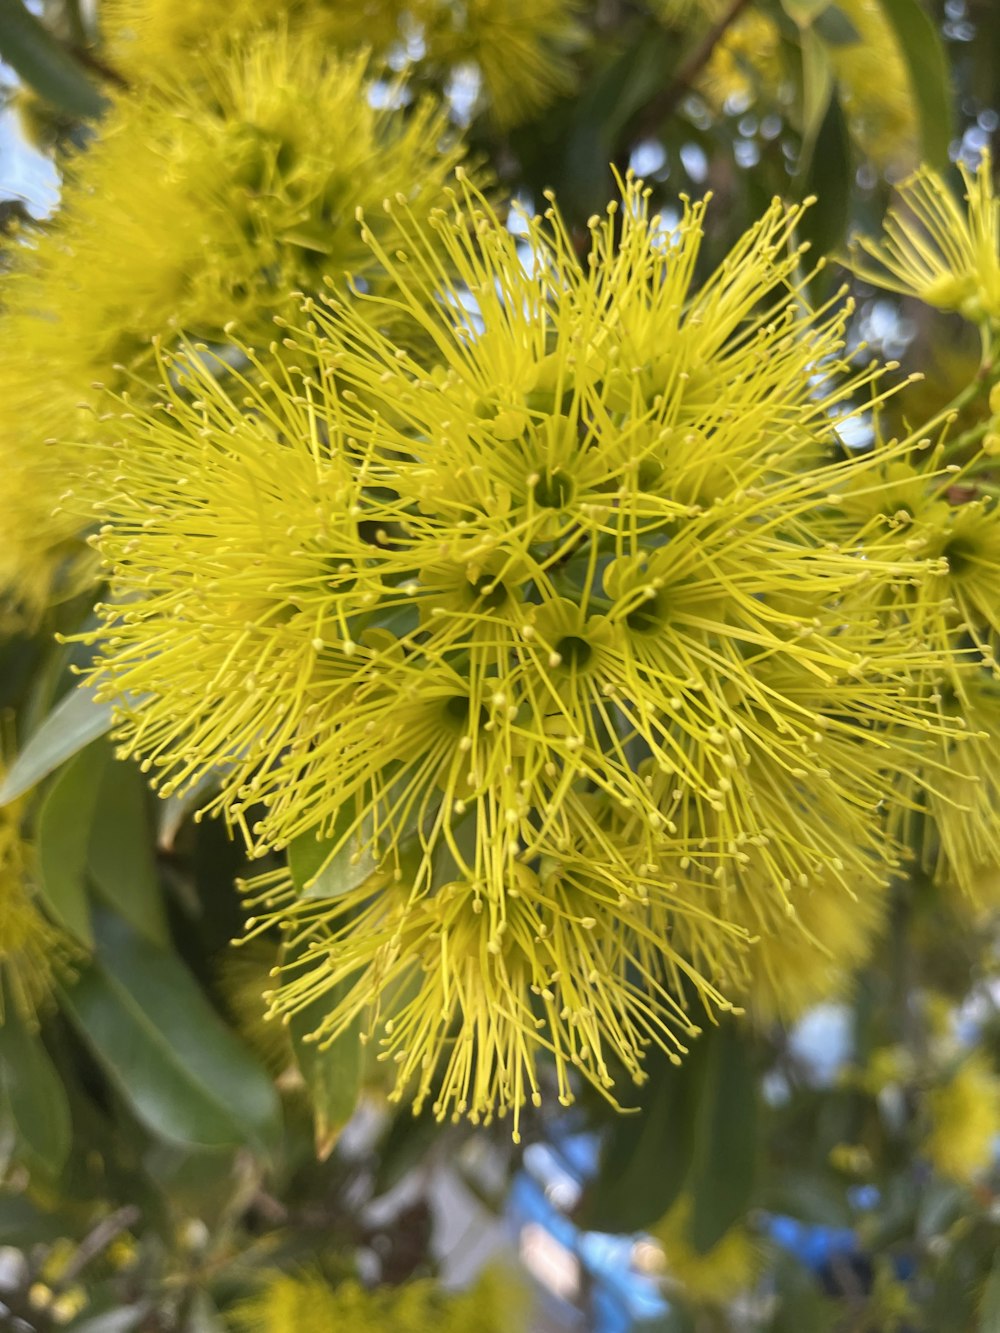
648 1154
828 175
45 65
76 720
989 1310
185 1075
22 1223
120 856
33 1095
836 29
725 1155
930 79
62 835
332 1074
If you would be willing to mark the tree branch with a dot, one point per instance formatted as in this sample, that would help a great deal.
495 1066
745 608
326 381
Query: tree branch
649 117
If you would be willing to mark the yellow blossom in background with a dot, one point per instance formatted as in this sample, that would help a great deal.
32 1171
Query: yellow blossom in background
747 62
936 250
200 204
874 87
712 1277
308 1303
527 625
964 1114
809 954
31 949
521 49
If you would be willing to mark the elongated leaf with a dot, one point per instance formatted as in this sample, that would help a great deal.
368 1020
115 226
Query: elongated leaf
185 1075
930 80
43 64
723 1169
989 1310
836 28
33 1095
332 1075
648 1155
63 835
75 721
828 177
120 855
817 89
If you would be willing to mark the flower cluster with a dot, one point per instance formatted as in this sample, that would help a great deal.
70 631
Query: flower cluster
518 49
932 248
538 630
205 200
306 1302
31 949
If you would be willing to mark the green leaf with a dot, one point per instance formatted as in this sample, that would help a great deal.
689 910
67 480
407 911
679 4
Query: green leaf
333 1074
989 1309
817 89
725 1153
62 835
120 854
804 12
827 173
33 1095
22 1223
45 65
836 29
648 1155
175 810
181 1070
76 720
930 79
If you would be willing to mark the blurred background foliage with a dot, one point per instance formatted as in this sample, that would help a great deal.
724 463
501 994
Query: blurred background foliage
169 1160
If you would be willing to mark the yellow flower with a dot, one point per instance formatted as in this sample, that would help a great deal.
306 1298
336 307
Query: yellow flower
747 61
521 48
306 1303
809 953
712 1277
964 1115
544 592
874 87
937 251
464 990
200 204
31 950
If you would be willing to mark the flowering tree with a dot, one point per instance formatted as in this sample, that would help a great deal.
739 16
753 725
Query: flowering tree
556 609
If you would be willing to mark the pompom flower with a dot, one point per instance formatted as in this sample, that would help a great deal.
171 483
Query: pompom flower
519 49
964 1115
31 949
307 1303
936 250
205 200
530 626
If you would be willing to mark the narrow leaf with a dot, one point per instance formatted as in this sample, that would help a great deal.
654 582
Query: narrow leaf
989 1310
120 855
76 720
62 835
930 81
724 1164
33 1095
333 1075
182 1071
648 1155
45 65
